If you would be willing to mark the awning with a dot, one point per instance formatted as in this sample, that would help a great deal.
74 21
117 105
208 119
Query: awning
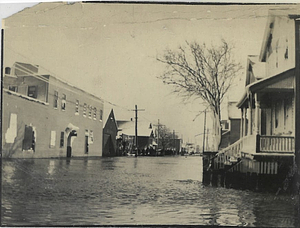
71 128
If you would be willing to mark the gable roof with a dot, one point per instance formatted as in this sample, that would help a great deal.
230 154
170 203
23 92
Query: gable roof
290 13
255 69
111 118
282 80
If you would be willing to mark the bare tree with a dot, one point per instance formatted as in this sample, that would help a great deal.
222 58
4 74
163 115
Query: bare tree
165 137
198 71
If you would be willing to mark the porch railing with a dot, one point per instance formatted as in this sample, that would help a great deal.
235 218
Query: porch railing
232 153
277 144
253 144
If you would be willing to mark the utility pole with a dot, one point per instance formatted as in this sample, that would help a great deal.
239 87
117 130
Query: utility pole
204 131
174 140
174 144
207 134
158 128
136 127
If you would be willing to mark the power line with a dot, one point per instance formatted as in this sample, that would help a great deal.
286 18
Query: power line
246 16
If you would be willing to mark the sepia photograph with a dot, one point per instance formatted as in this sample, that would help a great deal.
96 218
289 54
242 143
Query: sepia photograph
154 114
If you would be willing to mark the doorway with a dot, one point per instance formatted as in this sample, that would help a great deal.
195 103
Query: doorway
73 133
86 144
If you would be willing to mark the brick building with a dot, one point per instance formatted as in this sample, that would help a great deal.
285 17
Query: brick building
44 116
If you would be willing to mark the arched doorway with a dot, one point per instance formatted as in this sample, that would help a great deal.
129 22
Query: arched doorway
71 132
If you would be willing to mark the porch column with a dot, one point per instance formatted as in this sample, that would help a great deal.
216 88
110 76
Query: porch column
250 115
245 121
257 115
242 123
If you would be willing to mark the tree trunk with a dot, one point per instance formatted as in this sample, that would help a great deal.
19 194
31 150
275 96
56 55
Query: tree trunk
217 130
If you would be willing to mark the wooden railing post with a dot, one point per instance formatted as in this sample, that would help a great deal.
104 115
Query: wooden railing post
257 143
276 143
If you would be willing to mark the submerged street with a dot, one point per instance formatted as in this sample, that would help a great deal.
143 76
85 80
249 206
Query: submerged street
130 191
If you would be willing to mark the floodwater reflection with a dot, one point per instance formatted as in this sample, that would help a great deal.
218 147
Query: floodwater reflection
128 191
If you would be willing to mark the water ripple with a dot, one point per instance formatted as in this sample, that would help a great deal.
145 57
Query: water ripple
129 191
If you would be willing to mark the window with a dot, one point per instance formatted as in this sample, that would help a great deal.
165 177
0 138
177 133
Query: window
269 45
86 143
55 102
63 102
13 88
91 137
286 54
52 139
101 113
90 111
288 113
77 107
84 110
277 113
7 70
95 113
62 139
29 139
32 91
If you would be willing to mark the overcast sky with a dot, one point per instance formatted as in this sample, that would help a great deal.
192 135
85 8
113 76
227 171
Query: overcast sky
110 50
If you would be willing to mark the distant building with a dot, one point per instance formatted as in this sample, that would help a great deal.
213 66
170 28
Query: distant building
110 132
44 116
231 127
126 131
178 143
190 147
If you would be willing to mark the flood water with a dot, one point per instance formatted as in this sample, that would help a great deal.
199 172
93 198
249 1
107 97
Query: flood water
130 191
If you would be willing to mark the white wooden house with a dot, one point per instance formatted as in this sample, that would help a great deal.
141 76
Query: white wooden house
267 127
